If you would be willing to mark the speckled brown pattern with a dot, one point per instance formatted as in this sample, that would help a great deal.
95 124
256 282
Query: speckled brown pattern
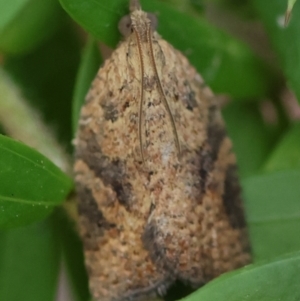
155 174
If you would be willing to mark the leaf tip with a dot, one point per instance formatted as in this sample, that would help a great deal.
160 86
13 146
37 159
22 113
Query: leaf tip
287 17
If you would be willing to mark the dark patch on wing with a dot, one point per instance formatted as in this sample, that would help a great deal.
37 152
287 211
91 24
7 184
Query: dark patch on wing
110 112
94 223
88 207
209 152
232 198
215 132
111 172
149 83
205 167
215 136
149 237
189 100
157 251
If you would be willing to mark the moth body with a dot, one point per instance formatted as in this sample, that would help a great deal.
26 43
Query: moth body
159 197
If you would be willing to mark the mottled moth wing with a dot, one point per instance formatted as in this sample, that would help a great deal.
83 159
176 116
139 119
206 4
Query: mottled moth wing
159 197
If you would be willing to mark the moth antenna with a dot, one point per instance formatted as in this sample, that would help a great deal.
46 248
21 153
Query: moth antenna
134 5
141 94
165 101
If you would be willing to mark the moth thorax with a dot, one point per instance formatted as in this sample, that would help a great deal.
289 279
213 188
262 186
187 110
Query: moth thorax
140 22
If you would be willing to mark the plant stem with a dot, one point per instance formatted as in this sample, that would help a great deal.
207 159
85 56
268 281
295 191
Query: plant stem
22 122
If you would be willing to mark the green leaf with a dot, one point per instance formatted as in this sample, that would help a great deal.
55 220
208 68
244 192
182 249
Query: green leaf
88 68
273 210
31 185
291 3
29 260
100 18
198 5
250 136
286 154
26 23
226 64
272 281
285 41
288 12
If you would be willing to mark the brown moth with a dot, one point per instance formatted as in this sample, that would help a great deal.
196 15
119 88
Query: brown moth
159 198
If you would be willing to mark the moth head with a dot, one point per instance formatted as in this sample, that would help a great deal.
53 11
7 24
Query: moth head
134 5
135 19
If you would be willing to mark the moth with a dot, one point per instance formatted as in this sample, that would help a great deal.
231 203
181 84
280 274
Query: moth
159 197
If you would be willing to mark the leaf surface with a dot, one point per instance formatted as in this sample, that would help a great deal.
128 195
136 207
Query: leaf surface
31 185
